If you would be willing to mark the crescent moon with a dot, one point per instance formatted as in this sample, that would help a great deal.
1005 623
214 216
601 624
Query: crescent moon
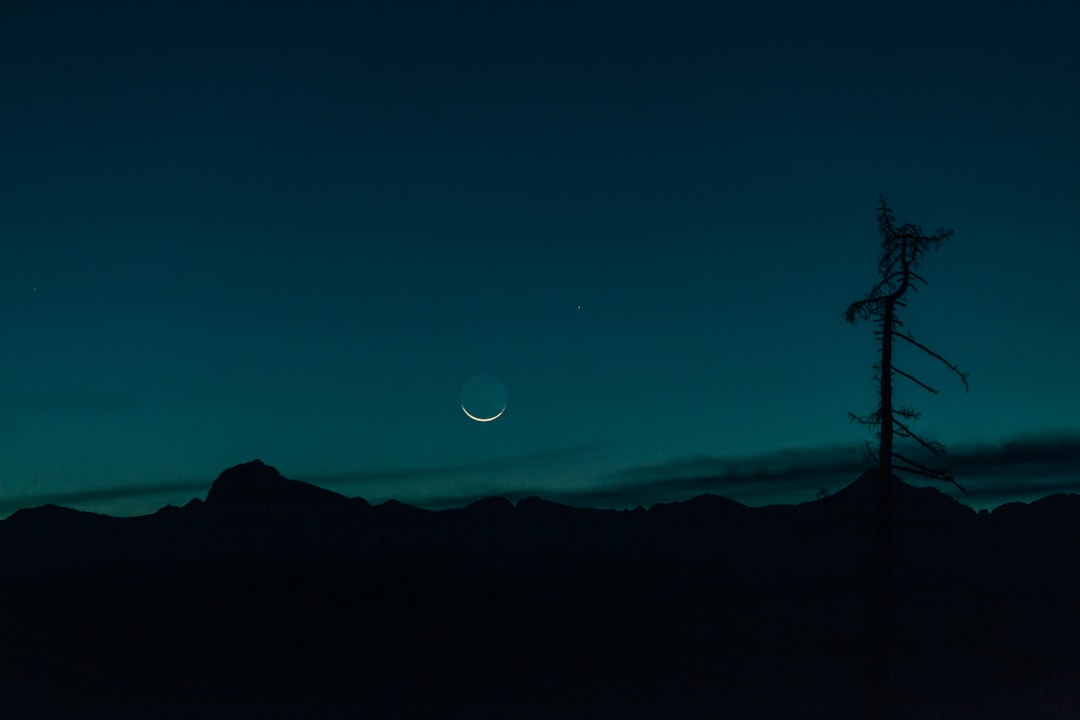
480 419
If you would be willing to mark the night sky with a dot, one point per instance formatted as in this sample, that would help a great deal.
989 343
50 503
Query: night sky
294 232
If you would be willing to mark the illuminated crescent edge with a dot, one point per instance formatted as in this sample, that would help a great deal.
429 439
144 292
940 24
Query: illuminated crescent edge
480 419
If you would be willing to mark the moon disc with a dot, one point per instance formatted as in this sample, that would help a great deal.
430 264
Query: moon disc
483 398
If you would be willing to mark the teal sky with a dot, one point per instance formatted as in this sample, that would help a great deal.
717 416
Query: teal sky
294 233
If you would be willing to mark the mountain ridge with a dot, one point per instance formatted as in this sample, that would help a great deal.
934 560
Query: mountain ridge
273 594
252 510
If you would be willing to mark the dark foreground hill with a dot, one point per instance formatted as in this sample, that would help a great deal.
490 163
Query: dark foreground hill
277 598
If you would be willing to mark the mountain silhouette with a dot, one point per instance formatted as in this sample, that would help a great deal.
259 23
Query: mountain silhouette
278 597
255 486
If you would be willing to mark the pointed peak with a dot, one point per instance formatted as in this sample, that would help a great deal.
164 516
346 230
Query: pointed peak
257 485
168 510
864 491
252 467
865 488
700 504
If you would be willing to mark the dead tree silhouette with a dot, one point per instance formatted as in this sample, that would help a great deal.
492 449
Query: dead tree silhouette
902 249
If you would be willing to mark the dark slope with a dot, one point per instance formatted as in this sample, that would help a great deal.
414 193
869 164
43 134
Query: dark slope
275 596
255 487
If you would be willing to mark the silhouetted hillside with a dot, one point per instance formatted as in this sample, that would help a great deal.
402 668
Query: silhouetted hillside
277 596
256 487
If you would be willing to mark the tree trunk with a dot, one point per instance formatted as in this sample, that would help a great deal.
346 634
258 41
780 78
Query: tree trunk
882 591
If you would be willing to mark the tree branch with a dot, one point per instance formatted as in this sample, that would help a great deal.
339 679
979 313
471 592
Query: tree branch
933 473
906 412
934 447
915 380
931 353
872 419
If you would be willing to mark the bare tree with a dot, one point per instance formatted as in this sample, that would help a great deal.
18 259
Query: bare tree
902 249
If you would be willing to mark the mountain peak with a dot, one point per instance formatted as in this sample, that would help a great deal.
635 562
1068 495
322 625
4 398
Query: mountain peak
50 513
863 493
255 484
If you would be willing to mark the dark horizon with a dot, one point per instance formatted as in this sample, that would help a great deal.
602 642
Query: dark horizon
278 597
1020 470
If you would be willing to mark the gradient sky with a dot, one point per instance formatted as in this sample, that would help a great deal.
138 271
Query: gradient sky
293 231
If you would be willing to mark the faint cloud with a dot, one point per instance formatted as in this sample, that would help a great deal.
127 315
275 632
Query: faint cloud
1056 452
381 479
1022 467
770 467
771 476
765 475
506 465
80 497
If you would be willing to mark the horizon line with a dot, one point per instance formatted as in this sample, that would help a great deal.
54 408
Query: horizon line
1005 470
